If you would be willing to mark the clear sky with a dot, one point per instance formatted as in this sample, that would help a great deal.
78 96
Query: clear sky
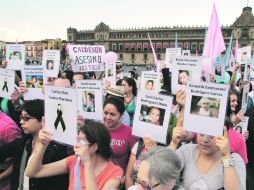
42 19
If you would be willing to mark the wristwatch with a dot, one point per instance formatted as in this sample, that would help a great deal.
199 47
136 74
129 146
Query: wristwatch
228 162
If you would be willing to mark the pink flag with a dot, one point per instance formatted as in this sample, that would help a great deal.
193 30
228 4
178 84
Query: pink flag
214 42
154 54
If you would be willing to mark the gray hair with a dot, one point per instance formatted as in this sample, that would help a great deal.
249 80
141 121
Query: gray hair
164 165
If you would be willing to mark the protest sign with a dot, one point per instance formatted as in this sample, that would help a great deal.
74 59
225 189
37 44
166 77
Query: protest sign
244 54
218 70
87 57
33 77
150 81
110 73
170 54
152 115
61 113
89 95
7 81
51 62
15 56
185 69
205 111
245 93
242 126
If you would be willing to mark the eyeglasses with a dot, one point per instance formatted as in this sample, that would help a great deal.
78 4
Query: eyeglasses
26 117
145 185
82 142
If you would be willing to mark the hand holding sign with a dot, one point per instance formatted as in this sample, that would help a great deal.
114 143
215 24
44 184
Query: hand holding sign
239 117
149 143
180 97
45 134
222 143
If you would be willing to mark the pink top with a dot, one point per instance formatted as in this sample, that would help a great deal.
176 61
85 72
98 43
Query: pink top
122 142
9 130
111 171
237 144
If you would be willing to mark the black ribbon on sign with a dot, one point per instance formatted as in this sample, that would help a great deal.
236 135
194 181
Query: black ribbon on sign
59 119
5 86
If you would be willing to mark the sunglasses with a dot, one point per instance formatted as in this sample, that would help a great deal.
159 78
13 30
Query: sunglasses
144 184
26 117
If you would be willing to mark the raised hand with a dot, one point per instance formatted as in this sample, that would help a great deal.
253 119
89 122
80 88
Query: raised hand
22 87
45 135
222 143
180 97
149 143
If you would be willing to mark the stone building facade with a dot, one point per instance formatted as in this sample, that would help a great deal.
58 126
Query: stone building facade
132 45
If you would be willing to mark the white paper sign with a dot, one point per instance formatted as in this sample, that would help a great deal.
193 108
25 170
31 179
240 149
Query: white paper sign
61 113
242 126
246 71
152 115
33 78
89 95
244 54
51 62
170 54
185 69
206 107
150 81
245 93
87 58
218 70
110 73
7 82
15 56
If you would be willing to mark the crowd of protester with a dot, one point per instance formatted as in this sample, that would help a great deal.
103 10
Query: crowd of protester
107 156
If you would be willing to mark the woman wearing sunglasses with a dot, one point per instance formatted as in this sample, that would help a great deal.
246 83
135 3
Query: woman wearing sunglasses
90 168
31 122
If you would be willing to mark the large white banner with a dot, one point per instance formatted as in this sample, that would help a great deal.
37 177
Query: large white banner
87 57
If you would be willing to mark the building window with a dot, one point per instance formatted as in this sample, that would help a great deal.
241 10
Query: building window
145 56
132 56
120 47
159 56
193 47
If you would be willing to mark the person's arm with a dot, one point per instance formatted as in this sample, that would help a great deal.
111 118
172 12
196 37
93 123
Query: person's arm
7 172
231 179
129 171
35 168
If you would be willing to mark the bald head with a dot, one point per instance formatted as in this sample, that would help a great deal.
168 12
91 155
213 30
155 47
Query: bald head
62 82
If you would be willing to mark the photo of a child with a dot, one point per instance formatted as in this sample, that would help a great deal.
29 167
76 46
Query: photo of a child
151 114
88 99
184 76
149 85
34 81
15 56
110 72
50 64
218 70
